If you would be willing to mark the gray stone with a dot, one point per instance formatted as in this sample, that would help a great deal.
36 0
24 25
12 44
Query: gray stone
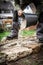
2 57
17 52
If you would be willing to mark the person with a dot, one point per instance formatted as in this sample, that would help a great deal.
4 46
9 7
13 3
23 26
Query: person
40 28
16 24
39 6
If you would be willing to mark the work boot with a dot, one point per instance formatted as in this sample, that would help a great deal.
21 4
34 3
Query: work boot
14 31
12 35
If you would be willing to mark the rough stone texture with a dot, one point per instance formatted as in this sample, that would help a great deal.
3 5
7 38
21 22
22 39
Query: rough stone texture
17 52
30 45
19 48
3 58
33 59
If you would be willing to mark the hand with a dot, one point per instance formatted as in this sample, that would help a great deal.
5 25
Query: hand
20 12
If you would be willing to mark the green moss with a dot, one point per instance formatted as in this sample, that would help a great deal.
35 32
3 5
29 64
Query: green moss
27 32
3 34
23 33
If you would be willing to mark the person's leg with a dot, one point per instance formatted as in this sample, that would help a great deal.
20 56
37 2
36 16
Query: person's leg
15 25
40 28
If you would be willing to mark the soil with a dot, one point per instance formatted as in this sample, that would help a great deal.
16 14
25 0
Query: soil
33 59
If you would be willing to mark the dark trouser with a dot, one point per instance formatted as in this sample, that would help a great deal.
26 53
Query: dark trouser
40 27
15 27
15 24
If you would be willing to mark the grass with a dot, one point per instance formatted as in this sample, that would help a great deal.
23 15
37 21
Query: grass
3 34
28 32
23 33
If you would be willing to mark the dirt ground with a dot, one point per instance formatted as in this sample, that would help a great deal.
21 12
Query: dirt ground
33 59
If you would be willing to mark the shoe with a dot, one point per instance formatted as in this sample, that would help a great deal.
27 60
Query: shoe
11 37
40 41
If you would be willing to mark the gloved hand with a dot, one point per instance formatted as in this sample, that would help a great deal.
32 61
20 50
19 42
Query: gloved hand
20 12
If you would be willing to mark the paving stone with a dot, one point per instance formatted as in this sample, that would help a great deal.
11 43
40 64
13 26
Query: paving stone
17 52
